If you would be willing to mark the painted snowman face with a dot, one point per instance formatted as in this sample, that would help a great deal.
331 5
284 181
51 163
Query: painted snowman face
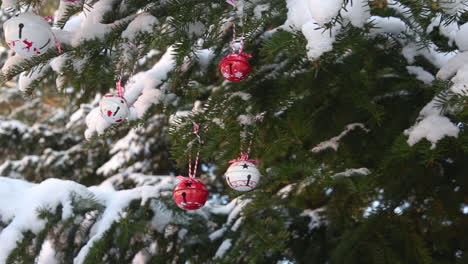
242 176
28 34
114 109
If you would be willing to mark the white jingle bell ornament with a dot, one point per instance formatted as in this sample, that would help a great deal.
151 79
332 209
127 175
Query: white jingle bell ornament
242 175
28 34
114 109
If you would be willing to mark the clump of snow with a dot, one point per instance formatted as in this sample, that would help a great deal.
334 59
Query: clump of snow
12 62
47 254
421 74
88 25
205 56
259 9
26 78
317 217
333 143
357 12
452 66
122 151
319 41
350 172
162 218
438 59
223 248
324 11
19 202
233 208
286 190
143 23
432 125
217 234
115 202
433 128
302 17
449 30
453 6
246 119
462 38
243 95
391 25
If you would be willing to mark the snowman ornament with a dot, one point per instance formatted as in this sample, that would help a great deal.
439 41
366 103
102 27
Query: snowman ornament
28 34
242 175
114 109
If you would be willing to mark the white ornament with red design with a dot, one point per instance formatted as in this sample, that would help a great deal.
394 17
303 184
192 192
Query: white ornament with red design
28 34
114 108
243 174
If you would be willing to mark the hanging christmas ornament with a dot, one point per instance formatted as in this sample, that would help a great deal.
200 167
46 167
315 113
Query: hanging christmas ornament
235 67
28 34
190 193
114 109
243 175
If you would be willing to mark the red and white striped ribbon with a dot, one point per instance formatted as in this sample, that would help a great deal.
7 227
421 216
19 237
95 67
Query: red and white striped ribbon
193 173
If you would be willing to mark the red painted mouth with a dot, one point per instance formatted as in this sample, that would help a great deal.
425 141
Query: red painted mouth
118 121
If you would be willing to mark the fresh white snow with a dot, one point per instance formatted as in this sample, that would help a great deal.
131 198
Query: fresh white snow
334 142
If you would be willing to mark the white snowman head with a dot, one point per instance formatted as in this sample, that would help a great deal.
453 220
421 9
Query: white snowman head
242 176
114 109
28 34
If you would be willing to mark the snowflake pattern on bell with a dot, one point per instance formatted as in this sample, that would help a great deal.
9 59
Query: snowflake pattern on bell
235 67
238 75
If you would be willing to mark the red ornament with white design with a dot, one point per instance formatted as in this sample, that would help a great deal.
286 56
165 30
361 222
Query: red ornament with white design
28 34
114 109
190 193
235 67
242 175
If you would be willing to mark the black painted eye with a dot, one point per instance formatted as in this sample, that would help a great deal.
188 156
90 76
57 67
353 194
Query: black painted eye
121 101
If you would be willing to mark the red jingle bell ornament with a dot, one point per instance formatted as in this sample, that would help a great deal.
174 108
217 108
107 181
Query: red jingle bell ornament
190 193
235 67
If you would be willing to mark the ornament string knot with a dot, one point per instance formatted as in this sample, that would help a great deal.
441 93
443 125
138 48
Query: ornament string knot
243 157
183 178
49 19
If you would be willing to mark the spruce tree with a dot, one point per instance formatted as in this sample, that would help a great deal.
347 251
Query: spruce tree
355 110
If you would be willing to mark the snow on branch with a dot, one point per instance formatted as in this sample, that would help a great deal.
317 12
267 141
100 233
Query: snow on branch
431 124
20 202
333 143
142 91
350 172
317 217
311 17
